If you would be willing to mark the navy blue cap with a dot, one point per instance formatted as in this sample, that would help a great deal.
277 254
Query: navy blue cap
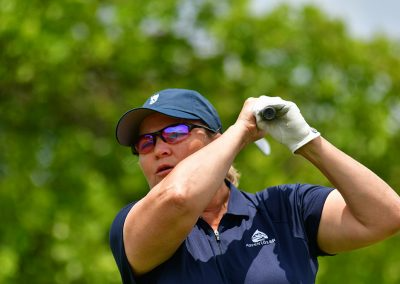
179 103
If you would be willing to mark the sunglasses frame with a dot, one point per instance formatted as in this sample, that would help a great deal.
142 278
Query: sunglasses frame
159 133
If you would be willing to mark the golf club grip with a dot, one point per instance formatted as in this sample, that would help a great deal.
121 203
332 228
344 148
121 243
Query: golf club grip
268 113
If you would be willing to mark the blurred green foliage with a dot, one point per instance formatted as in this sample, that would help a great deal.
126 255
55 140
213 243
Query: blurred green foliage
70 68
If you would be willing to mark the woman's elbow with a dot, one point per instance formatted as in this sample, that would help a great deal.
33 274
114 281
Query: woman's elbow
178 198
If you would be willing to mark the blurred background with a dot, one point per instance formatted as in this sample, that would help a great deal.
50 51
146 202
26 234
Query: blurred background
70 68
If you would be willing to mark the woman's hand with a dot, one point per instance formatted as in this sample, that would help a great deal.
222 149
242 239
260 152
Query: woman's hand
288 127
247 121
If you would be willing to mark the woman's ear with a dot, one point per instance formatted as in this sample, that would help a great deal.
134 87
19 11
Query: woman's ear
217 135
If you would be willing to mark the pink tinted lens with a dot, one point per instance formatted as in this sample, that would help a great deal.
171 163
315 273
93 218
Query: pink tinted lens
175 134
145 144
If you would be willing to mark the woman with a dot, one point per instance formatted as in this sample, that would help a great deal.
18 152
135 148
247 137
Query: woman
195 226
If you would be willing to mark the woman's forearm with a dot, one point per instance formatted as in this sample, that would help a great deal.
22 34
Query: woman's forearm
370 200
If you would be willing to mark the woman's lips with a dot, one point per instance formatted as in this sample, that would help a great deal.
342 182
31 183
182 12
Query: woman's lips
163 170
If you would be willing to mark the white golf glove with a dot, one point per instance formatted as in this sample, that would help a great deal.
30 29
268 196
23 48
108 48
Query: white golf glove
288 127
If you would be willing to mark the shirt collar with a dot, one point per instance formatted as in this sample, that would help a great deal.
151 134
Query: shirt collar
238 204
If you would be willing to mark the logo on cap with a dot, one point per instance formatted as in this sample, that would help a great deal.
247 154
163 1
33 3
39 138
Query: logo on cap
154 98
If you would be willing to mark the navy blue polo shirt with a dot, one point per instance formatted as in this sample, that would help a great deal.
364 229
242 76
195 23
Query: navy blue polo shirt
266 237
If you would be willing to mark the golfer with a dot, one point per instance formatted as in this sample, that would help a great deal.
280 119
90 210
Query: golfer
195 226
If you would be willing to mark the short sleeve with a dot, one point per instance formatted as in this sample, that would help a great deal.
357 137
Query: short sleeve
311 200
117 246
300 205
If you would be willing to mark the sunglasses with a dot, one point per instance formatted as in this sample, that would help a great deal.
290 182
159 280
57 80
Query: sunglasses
171 134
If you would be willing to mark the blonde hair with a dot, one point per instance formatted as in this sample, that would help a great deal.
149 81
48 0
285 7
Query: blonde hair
233 176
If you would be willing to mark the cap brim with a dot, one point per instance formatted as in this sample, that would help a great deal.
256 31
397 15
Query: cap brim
128 125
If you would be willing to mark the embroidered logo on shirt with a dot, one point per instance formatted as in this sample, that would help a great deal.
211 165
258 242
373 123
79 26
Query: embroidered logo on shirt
258 236
259 239
154 98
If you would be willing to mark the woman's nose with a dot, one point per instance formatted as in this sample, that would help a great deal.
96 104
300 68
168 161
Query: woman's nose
161 148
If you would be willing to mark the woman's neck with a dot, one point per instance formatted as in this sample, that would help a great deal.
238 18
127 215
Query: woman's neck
217 207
